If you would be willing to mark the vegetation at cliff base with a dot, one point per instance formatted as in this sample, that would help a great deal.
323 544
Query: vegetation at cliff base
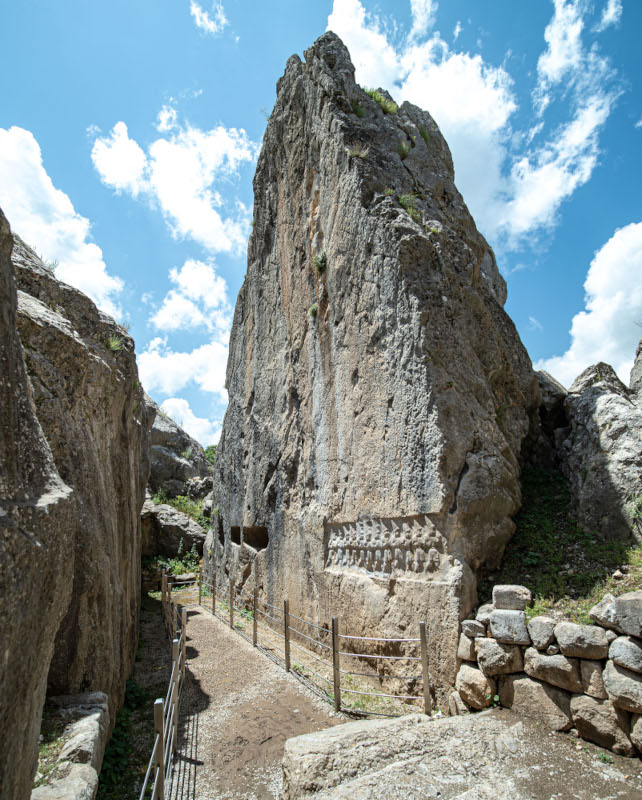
566 568
185 504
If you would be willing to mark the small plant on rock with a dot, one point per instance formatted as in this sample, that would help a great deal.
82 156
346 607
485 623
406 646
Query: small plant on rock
52 265
409 204
114 344
320 263
388 192
187 454
387 106
404 150
358 151
358 110
314 310
423 133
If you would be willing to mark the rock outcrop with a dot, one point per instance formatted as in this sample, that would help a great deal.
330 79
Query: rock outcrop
635 384
601 454
71 589
379 394
176 457
37 515
167 531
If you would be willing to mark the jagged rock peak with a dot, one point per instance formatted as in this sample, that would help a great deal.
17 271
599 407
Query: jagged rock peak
379 395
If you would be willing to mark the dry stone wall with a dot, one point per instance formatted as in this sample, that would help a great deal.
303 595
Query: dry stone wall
379 395
584 676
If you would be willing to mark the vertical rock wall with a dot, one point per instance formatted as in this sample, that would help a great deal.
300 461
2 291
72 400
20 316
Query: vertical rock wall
379 394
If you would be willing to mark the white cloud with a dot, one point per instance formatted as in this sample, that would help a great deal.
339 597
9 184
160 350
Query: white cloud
167 119
46 219
456 30
199 300
168 372
180 174
209 23
638 124
610 16
203 430
534 324
513 187
605 330
423 14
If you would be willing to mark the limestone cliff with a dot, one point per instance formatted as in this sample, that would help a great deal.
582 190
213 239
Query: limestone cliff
379 394
74 570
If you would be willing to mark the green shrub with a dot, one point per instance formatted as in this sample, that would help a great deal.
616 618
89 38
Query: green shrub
387 106
183 503
320 263
314 310
210 453
409 204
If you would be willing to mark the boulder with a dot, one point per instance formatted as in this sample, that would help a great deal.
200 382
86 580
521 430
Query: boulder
69 782
484 612
636 731
509 627
535 699
474 687
623 613
541 630
557 670
176 458
466 649
581 641
360 323
495 658
623 687
456 706
627 652
199 488
208 504
87 737
511 598
167 531
592 683
472 628
601 456
601 722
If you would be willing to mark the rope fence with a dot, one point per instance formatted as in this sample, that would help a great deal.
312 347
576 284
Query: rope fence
166 710
275 632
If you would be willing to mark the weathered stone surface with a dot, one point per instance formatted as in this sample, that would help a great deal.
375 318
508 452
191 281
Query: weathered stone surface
407 366
592 683
37 517
474 687
611 636
581 641
557 670
623 613
536 699
627 652
509 627
636 731
472 628
164 528
176 457
541 631
553 420
495 658
635 383
466 649
199 488
69 782
87 736
484 612
601 456
601 722
90 405
456 706
511 598
208 505
623 687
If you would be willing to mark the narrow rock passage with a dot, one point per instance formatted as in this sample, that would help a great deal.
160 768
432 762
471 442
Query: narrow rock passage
237 710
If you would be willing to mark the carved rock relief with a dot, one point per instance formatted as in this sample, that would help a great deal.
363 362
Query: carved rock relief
395 547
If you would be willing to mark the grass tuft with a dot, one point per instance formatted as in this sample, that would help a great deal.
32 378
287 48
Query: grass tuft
423 133
358 151
114 344
358 110
409 204
314 310
404 150
387 106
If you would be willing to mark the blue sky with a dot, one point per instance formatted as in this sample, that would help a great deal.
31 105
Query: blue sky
129 134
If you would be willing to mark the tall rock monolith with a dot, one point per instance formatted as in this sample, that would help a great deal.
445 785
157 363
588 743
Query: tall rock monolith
379 394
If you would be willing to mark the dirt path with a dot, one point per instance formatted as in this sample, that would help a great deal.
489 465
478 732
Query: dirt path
238 709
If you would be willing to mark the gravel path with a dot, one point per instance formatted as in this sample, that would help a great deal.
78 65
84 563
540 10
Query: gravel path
238 708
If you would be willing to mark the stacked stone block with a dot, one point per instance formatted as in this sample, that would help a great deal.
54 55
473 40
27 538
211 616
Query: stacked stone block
584 676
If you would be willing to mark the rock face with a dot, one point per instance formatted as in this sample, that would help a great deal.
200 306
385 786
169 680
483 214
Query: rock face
379 394
164 528
37 514
635 384
73 560
602 454
176 457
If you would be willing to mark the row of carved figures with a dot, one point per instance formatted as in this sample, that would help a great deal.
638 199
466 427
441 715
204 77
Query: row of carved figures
384 560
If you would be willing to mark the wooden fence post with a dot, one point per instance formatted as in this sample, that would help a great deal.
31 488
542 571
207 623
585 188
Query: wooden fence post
175 697
183 642
159 730
214 593
424 668
254 622
200 585
231 606
174 617
336 675
286 633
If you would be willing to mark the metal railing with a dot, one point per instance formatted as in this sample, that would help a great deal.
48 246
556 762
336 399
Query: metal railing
324 644
166 710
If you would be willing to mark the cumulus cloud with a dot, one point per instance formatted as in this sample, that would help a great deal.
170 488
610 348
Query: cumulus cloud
513 181
610 15
199 299
179 174
210 23
202 429
167 371
422 12
167 118
605 329
46 219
